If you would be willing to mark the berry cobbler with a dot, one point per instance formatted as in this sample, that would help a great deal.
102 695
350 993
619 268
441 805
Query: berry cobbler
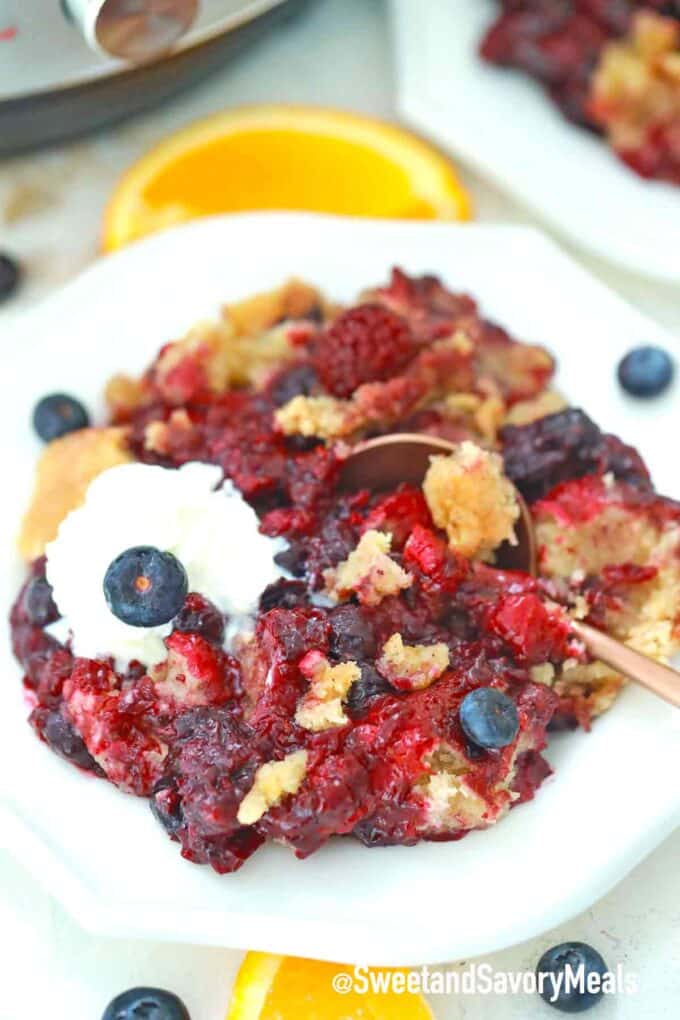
211 621
612 66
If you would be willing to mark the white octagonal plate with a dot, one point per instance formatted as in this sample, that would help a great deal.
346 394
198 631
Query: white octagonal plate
504 125
615 793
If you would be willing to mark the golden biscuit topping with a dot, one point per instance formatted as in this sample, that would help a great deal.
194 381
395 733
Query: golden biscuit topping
123 394
369 572
412 667
450 801
224 357
294 300
526 411
470 498
250 341
637 83
64 472
324 417
157 433
273 781
321 707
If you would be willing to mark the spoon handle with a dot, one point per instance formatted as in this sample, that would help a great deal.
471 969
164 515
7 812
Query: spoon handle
659 679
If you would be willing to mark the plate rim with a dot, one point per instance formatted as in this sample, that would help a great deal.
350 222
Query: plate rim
278 935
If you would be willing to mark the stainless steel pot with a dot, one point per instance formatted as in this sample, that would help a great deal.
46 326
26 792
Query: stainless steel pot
134 30
70 66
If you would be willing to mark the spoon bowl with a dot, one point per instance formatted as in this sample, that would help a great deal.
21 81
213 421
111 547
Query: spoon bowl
383 463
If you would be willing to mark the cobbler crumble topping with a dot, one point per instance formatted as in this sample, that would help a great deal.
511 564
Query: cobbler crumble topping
471 500
272 782
412 667
369 571
321 707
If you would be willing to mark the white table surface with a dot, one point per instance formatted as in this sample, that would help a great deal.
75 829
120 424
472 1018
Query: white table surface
338 54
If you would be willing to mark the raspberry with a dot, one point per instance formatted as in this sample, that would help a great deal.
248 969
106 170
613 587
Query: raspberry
431 310
535 633
365 344
426 553
399 513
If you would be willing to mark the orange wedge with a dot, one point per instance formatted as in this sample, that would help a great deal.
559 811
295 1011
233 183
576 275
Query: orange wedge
284 157
287 988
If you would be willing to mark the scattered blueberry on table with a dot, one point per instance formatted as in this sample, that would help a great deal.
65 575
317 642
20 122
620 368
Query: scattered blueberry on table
57 414
573 955
10 277
146 1004
646 371
489 718
145 587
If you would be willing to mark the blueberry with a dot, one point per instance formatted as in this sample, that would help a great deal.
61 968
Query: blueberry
293 382
646 371
200 616
283 594
565 963
302 444
351 635
489 718
365 690
64 741
10 277
146 1004
145 587
293 559
38 602
57 414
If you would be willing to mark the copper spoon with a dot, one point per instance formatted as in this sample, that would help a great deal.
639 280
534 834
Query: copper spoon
383 463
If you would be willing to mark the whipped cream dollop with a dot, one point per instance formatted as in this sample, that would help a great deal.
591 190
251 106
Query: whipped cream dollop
189 512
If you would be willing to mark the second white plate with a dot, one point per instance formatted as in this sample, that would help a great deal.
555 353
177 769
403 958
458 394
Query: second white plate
503 124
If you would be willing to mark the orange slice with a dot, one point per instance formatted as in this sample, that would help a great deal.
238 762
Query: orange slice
284 157
288 988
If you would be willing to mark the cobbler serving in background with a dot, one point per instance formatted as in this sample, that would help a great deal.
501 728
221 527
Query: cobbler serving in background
210 622
612 66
